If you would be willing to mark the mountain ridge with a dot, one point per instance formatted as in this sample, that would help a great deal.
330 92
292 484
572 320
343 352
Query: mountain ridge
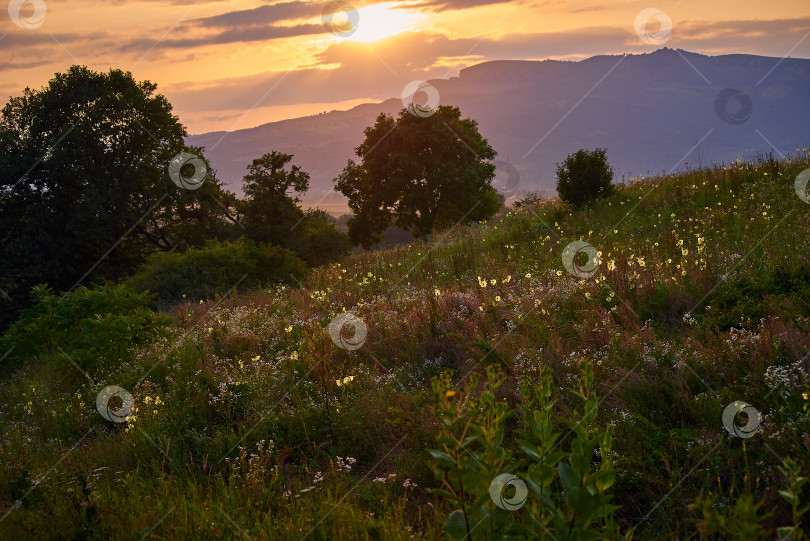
662 107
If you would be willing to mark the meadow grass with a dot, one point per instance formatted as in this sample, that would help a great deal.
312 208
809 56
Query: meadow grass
251 422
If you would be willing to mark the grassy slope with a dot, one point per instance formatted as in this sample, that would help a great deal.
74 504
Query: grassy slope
253 378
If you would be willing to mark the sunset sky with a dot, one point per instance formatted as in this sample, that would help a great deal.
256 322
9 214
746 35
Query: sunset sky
227 65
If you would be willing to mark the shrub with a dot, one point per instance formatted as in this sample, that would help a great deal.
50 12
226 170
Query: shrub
323 242
84 326
201 273
584 176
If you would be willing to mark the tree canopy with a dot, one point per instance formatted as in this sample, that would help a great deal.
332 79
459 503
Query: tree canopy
272 215
419 173
270 207
84 184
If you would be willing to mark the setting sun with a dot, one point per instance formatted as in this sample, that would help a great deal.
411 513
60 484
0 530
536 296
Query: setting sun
381 21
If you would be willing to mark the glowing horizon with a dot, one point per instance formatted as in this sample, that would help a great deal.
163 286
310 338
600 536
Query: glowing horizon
231 65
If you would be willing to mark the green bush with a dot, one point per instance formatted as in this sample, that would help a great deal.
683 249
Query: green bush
584 176
85 326
322 241
201 273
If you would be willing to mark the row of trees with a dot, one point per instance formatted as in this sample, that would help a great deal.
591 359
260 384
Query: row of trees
86 194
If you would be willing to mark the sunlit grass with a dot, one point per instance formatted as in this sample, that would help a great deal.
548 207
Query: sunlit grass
251 421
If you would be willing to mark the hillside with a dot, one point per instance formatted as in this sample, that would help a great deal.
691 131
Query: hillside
250 420
648 110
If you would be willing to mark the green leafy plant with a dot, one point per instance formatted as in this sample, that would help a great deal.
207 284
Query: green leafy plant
575 504
743 518
792 495
569 486
742 521
471 454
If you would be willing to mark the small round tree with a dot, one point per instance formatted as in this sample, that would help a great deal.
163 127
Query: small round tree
584 176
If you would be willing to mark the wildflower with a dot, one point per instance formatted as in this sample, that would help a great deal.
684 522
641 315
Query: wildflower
450 394
611 265
438 292
684 251
528 275
497 298
256 358
344 381
482 282
294 355
559 273
288 329
493 281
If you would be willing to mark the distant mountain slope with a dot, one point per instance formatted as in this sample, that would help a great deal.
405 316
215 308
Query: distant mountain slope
648 110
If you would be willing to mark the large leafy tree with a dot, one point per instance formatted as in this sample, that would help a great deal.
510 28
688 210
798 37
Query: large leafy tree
84 186
420 174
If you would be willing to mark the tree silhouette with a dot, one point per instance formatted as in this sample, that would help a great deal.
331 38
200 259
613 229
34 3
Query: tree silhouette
84 183
418 173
